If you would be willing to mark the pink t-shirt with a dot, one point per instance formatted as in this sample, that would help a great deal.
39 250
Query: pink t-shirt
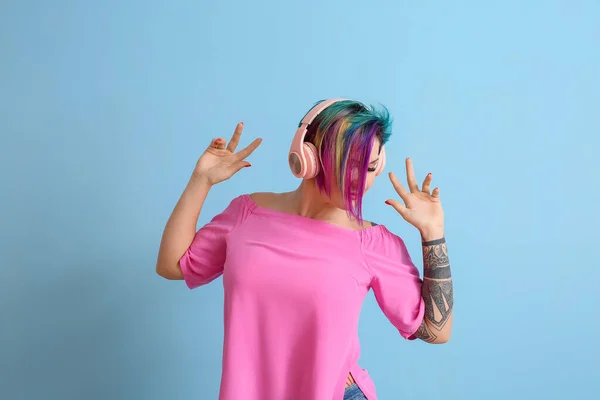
294 288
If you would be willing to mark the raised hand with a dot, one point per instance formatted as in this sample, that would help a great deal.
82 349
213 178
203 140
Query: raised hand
422 207
220 161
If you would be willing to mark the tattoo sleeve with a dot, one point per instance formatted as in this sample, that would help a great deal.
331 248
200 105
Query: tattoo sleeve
436 291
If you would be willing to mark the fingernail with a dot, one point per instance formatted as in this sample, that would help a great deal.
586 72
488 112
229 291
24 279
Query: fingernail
429 174
387 202
246 166
216 142
241 123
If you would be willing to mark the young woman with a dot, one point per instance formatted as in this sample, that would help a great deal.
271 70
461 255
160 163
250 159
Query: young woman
297 266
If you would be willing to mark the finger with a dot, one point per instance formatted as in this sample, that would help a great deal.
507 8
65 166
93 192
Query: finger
402 192
436 193
235 139
401 208
427 183
217 143
249 149
410 176
221 143
239 165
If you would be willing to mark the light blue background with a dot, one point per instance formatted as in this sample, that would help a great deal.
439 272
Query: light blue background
105 107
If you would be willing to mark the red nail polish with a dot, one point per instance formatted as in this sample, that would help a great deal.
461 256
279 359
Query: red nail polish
387 202
246 166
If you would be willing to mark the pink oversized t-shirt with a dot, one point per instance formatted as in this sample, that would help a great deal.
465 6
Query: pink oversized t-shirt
293 288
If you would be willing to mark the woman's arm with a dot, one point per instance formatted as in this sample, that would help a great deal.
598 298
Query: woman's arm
181 228
436 292
422 209
219 162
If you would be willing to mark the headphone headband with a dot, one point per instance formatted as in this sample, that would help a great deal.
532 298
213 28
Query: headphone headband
318 109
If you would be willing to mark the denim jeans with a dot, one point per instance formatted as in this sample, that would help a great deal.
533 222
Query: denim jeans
353 392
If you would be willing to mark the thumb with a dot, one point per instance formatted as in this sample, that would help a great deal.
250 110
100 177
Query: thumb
236 166
401 208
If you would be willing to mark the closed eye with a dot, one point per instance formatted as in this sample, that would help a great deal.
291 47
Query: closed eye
373 168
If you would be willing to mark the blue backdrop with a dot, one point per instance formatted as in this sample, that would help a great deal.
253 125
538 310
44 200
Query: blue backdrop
106 106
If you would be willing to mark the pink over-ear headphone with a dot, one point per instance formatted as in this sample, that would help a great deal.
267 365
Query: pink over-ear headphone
303 157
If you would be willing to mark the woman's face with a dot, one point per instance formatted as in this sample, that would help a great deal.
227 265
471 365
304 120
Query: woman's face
374 161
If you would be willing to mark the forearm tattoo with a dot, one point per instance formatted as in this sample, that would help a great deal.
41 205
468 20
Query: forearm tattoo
437 289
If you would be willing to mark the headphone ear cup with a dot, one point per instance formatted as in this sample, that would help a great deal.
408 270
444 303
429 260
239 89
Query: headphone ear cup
381 165
312 160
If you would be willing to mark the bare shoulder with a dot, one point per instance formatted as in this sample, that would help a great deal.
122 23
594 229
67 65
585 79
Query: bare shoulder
273 201
263 199
281 202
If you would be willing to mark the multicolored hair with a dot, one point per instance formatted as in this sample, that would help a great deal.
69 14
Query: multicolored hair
344 134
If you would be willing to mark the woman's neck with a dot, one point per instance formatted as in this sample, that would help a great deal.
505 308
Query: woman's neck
308 202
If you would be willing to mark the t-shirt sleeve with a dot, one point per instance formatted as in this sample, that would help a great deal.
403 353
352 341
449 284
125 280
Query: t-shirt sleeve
396 283
204 260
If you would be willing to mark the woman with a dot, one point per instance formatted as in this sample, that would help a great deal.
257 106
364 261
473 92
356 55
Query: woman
297 266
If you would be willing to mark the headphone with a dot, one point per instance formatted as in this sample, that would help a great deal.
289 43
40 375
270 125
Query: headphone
303 157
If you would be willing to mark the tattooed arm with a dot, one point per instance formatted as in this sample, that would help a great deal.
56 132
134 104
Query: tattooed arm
422 209
436 292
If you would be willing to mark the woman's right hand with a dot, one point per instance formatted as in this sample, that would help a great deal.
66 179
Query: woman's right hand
220 162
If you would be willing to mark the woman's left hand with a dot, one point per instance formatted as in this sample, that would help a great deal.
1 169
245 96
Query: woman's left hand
422 208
